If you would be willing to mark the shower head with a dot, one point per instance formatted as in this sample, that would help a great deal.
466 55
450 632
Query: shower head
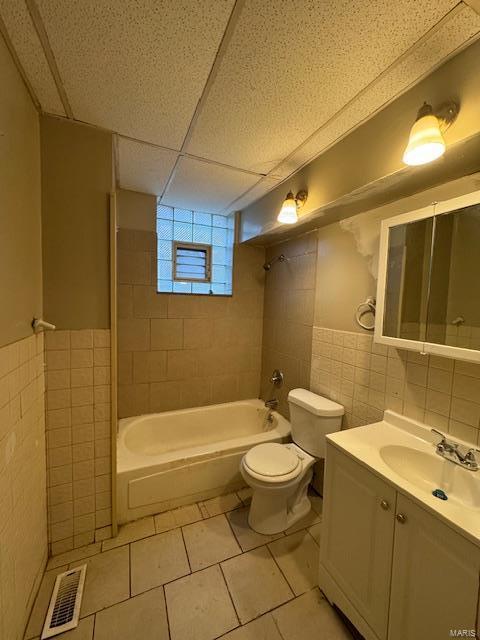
268 265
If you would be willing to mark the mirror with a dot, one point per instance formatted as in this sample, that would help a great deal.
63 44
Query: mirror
408 270
453 316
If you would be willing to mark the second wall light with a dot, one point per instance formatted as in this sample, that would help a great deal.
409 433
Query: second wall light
288 213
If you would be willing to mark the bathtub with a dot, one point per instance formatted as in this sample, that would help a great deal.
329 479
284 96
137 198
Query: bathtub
166 460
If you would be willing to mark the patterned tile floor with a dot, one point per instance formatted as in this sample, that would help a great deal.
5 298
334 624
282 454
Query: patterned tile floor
199 573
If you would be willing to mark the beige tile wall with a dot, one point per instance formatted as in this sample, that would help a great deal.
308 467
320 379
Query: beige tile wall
288 316
368 378
78 437
178 351
23 512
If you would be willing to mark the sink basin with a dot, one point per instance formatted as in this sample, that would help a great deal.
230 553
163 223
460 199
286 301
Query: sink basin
429 471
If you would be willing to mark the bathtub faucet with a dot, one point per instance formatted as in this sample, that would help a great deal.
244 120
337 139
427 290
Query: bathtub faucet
271 404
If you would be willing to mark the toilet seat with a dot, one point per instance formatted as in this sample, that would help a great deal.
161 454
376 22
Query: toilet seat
272 462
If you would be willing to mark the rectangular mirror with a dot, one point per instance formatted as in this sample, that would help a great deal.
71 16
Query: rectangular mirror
407 278
454 298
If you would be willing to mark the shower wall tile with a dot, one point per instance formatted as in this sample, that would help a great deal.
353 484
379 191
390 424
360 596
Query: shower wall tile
179 351
23 511
441 392
288 317
78 436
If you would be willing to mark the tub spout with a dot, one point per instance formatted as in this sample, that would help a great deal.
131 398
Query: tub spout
271 404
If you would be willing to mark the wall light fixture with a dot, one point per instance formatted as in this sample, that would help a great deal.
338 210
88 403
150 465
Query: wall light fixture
426 142
288 213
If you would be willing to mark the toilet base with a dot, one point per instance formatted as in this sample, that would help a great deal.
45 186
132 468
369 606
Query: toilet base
271 512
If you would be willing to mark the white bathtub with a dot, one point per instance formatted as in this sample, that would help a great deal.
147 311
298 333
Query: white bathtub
165 460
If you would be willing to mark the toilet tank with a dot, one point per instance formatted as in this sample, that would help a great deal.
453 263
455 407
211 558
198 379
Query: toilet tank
312 417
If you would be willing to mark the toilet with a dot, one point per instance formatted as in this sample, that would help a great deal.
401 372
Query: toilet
279 474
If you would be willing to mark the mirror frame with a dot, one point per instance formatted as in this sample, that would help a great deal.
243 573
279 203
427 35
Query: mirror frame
436 208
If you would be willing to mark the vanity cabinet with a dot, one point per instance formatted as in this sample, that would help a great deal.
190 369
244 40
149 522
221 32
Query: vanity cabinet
357 536
396 570
435 577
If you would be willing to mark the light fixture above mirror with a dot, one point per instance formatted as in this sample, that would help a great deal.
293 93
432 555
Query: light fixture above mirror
426 142
288 213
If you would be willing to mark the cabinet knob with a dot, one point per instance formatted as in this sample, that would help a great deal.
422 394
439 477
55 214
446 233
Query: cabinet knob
385 505
401 518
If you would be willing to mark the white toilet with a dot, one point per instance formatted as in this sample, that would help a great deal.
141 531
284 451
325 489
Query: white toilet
279 474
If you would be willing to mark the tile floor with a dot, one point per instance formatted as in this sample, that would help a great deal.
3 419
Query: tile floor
199 573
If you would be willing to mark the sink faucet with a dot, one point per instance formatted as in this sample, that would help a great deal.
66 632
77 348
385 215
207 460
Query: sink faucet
449 450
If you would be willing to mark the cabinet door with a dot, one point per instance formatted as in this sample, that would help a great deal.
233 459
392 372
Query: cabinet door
435 577
357 536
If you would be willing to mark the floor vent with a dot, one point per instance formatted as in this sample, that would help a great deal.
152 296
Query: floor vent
64 610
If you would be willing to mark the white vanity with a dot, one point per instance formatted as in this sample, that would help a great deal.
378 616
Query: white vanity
401 563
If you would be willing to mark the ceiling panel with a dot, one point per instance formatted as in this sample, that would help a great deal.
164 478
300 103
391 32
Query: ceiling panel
262 187
206 187
143 167
30 54
137 67
457 29
290 66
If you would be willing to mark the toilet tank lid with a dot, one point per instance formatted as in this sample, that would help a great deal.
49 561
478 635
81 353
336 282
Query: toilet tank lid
318 405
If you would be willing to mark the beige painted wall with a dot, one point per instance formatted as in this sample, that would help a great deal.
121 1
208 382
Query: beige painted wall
76 182
348 255
372 154
178 351
20 223
288 317
366 377
23 509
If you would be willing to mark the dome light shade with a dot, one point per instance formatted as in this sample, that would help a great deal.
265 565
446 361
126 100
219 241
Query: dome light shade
426 142
288 212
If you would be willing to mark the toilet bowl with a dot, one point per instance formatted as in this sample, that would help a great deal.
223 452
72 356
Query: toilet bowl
279 474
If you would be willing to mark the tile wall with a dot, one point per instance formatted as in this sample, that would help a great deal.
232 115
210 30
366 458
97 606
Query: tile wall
368 378
23 512
178 351
288 316
78 437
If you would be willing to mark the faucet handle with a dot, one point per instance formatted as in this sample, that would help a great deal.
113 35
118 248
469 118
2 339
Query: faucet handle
470 455
439 433
444 445
471 460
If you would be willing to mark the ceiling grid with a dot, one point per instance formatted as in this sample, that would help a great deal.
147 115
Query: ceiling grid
215 103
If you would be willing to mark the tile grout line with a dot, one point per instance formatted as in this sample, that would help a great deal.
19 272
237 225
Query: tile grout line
230 595
233 532
130 570
280 569
186 550
166 610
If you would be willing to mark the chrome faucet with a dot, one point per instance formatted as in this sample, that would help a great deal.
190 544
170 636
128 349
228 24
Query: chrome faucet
277 378
449 449
271 404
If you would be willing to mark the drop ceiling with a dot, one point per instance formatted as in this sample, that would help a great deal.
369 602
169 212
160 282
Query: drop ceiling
215 102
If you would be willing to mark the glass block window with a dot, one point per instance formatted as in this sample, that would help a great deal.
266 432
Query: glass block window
195 251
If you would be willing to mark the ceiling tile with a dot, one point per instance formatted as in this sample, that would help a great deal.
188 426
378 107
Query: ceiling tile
137 67
30 54
258 190
291 66
143 167
203 186
456 30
